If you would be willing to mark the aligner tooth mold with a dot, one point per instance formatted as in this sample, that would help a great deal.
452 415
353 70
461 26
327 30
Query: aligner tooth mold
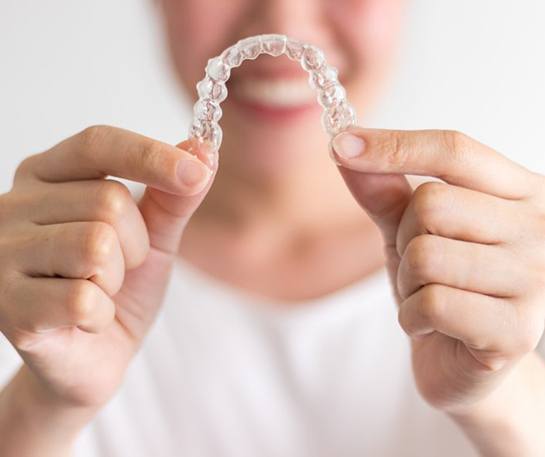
337 113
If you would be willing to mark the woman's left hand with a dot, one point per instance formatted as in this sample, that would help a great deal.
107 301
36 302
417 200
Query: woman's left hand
466 255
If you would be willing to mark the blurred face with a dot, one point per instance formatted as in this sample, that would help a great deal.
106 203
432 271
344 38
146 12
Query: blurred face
271 119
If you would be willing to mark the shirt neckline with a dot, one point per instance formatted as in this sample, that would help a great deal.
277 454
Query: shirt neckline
373 286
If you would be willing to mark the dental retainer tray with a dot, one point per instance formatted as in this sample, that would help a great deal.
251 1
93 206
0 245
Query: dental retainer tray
337 113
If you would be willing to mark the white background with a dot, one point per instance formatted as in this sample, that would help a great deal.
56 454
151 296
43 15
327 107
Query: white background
472 65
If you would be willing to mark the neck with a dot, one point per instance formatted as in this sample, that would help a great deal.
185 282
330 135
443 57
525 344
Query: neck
291 235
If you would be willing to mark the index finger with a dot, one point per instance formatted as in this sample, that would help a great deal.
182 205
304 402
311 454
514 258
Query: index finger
100 151
448 155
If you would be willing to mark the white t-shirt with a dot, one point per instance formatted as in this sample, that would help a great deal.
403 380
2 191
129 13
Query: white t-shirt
226 373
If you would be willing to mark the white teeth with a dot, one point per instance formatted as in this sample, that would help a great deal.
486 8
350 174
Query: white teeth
275 92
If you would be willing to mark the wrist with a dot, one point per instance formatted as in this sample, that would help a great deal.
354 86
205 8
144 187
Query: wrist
35 421
508 422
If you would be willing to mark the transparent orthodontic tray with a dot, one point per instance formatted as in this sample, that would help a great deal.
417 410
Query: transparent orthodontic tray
337 114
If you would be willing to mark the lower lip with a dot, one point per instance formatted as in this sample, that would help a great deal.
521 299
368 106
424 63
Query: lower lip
273 113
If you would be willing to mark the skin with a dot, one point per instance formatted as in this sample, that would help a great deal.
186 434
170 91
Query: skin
469 283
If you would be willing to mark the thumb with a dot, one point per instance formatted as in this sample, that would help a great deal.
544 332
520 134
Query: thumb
384 197
166 214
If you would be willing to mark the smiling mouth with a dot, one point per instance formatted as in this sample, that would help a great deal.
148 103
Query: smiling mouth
274 92
277 99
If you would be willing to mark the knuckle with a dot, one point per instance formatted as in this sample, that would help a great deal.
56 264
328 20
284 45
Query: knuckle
421 257
99 241
93 136
81 299
112 200
404 319
429 202
24 168
454 140
393 149
151 155
457 144
426 307
432 302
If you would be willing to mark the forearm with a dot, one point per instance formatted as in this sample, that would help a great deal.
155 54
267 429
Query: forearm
32 424
511 421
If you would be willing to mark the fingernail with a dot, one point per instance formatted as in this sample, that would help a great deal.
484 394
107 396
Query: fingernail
193 174
347 145
205 151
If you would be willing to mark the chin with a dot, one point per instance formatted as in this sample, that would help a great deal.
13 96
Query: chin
270 148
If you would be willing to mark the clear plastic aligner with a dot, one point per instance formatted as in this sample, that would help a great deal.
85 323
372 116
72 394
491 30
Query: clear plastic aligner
337 114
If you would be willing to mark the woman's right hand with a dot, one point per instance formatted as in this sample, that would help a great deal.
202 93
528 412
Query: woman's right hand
83 267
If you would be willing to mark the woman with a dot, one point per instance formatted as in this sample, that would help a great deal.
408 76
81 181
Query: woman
277 334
